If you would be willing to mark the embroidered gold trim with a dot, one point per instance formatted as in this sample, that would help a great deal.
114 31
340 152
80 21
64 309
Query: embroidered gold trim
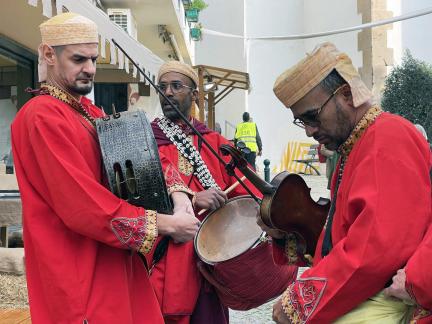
180 187
291 248
67 98
288 308
419 314
359 129
151 232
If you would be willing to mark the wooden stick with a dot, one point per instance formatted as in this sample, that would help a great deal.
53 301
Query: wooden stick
227 191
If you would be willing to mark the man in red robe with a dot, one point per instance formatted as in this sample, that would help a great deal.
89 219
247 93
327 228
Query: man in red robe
413 284
183 295
381 192
82 243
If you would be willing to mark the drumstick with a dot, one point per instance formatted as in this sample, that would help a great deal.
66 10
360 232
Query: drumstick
227 191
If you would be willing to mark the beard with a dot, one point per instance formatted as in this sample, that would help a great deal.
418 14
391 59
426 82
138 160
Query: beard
171 114
344 128
83 89
334 137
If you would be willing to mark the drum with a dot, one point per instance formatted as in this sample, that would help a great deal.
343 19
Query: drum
131 159
236 258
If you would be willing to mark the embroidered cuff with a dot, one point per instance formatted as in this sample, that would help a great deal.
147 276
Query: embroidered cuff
182 188
174 181
151 232
288 307
137 233
302 297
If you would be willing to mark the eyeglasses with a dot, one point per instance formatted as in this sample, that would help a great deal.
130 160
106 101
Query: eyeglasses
176 87
312 117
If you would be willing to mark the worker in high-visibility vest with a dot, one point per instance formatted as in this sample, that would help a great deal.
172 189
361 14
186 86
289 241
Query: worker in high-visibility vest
247 132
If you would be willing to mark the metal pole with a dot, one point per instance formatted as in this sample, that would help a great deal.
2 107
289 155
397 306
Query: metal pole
267 170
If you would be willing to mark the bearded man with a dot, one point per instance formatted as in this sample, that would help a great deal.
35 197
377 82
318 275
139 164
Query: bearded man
381 195
180 289
81 241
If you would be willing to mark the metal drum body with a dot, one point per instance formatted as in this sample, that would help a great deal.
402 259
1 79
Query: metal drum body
234 258
131 159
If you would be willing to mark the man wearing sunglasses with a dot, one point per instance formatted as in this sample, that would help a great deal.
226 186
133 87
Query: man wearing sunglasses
381 195
175 278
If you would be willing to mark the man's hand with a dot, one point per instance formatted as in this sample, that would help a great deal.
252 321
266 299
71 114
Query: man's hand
397 289
272 232
259 153
279 315
182 226
210 199
182 202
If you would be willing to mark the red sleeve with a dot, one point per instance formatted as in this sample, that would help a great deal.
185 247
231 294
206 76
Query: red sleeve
69 185
418 273
383 208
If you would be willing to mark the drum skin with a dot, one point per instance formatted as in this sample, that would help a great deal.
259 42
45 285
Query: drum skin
228 231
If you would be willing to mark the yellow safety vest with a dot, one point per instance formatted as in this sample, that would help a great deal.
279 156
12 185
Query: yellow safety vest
246 132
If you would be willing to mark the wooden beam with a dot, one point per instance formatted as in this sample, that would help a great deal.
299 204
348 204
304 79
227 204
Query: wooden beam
201 94
224 90
211 110
227 93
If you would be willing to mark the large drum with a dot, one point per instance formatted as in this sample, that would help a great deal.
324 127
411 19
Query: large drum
237 259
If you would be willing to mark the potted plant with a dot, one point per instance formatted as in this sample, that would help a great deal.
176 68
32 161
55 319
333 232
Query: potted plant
192 10
196 33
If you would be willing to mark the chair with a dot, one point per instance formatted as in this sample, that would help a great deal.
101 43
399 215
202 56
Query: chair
310 158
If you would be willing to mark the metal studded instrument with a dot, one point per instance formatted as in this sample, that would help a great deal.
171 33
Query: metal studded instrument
131 160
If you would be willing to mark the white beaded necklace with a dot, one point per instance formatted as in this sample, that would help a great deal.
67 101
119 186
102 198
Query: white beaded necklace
186 148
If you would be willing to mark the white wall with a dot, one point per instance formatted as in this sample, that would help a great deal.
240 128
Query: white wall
416 33
224 16
268 59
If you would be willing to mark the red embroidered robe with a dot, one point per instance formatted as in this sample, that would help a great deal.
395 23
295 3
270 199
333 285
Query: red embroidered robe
175 278
383 208
80 239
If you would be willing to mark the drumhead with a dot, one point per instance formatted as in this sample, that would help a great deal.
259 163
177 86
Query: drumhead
228 231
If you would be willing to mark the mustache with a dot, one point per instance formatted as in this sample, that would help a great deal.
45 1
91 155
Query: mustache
166 103
88 77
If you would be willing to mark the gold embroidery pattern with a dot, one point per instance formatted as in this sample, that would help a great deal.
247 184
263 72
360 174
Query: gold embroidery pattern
291 248
184 165
151 232
419 313
180 187
174 181
62 95
359 129
288 308
301 298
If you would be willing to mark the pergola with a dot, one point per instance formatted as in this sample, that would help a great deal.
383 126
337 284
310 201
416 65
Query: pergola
214 85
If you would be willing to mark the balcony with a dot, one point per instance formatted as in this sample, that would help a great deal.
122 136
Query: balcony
149 16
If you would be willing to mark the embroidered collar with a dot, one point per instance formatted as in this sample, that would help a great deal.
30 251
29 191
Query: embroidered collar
359 129
68 99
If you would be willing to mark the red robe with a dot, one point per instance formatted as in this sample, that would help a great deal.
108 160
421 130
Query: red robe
80 239
419 278
383 208
176 279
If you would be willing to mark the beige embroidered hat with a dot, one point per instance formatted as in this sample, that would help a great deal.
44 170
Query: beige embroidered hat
65 29
297 81
179 67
